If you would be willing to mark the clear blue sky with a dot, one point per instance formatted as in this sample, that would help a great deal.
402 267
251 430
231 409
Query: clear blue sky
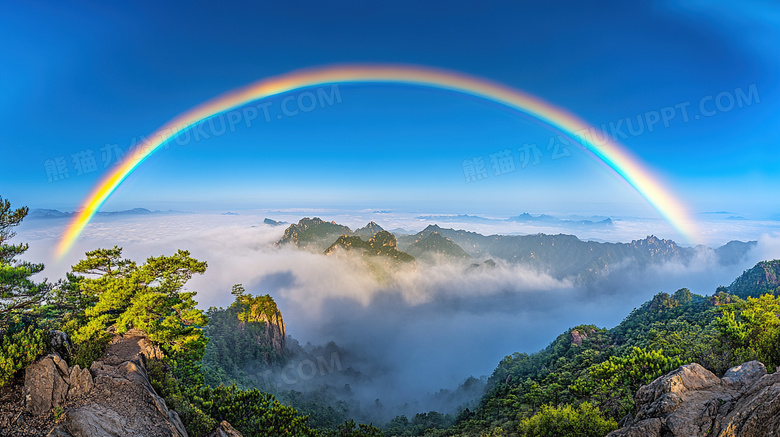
76 77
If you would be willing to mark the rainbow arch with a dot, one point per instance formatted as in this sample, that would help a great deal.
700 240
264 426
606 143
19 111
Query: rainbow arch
610 153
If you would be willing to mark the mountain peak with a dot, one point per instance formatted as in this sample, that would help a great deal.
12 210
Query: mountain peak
369 230
382 244
434 243
314 233
762 278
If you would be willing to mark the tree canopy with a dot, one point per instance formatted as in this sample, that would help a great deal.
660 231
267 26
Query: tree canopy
18 292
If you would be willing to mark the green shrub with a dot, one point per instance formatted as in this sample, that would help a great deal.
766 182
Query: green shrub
89 343
752 330
567 421
19 349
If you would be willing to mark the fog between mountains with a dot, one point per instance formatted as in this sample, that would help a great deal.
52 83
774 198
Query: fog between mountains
428 328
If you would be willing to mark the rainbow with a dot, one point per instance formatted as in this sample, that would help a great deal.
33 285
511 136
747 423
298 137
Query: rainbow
610 153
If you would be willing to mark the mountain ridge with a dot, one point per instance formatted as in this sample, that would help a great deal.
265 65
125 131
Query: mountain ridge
560 255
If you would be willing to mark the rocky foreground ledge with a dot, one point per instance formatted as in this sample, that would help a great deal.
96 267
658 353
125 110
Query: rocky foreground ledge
691 402
113 398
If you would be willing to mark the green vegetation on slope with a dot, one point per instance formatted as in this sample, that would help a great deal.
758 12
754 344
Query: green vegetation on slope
312 380
382 244
603 368
584 420
239 339
752 330
764 277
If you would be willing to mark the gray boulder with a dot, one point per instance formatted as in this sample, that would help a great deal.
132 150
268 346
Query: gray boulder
59 343
225 430
45 384
691 402
744 374
80 382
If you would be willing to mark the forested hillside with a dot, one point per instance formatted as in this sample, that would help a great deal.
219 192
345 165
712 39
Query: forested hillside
762 278
589 375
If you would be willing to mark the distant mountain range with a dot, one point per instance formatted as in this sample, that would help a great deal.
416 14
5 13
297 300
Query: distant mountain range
548 219
559 255
53 213
318 235
566 255
271 222
522 218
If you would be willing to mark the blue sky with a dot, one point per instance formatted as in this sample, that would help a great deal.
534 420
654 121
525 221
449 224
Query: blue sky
80 76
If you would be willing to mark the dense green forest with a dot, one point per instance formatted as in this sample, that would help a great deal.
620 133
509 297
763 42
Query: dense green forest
215 361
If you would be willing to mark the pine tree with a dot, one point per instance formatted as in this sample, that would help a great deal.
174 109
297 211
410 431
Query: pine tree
21 339
18 292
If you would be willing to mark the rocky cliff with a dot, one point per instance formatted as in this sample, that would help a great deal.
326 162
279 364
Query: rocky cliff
691 401
113 398
263 309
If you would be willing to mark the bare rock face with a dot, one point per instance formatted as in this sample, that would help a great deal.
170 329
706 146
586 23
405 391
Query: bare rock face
94 421
115 396
576 338
691 401
263 309
744 374
80 381
275 333
225 430
46 384
580 335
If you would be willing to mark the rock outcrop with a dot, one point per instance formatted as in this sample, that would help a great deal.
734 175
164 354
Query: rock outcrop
263 309
381 249
112 398
691 401
578 337
275 334
225 430
47 383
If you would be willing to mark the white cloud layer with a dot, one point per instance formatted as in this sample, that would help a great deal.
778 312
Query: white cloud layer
432 326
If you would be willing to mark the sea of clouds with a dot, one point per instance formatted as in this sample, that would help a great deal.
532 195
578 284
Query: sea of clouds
428 328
